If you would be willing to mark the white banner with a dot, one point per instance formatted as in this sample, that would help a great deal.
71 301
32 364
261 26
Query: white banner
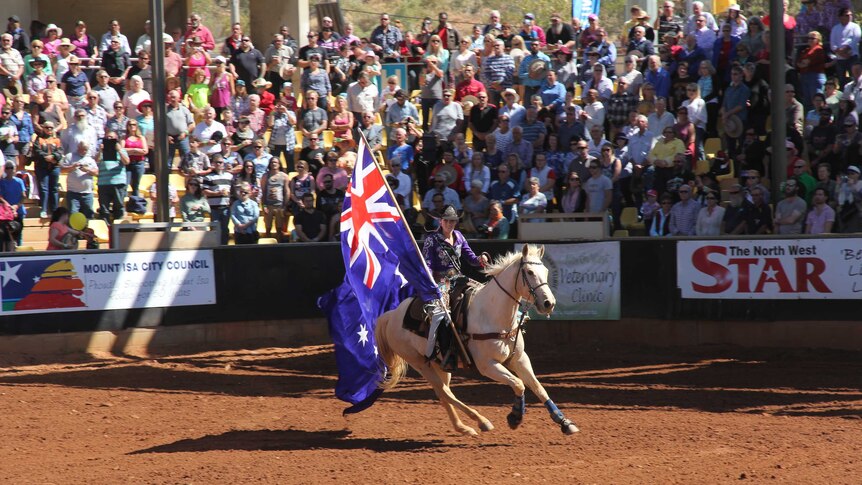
110 281
585 279
784 269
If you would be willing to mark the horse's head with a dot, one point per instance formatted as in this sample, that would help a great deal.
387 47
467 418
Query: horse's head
534 276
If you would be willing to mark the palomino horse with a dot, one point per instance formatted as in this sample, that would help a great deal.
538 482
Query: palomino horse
496 342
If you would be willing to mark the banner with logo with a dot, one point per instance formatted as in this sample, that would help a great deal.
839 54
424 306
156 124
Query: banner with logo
585 279
71 282
582 8
783 269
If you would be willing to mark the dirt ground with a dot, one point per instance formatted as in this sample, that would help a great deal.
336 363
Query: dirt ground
692 415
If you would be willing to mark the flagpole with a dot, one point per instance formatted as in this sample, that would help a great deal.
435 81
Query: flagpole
397 205
464 353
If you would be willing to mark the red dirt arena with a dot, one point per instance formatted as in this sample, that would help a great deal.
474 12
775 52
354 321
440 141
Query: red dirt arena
693 415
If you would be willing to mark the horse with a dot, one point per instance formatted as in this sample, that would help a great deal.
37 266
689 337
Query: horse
496 342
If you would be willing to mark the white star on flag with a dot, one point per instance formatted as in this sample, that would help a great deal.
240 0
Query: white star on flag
363 335
10 273
398 274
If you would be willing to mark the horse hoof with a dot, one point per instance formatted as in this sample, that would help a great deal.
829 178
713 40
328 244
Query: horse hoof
486 426
514 420
468 431
568 427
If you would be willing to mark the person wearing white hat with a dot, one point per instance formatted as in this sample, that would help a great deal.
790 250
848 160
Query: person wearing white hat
513 108
737 21
53 35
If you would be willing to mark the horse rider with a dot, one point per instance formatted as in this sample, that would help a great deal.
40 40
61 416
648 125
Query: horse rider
443 250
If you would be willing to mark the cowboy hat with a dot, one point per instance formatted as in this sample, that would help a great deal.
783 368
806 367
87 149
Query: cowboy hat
261 83
733 126
537 69
65 42
51 27
513 93
449 214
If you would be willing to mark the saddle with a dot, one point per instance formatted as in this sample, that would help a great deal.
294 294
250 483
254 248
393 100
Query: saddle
417 321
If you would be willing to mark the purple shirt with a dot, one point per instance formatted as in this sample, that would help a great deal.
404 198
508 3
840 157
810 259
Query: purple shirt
444 259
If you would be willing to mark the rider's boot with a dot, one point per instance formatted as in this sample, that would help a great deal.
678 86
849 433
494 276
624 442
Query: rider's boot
438 315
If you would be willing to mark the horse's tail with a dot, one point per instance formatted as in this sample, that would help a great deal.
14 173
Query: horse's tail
396 366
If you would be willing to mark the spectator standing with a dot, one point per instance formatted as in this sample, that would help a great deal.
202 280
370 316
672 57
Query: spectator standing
244 213
11 64
498 71
310 223
709 218
247 64
112 161
195 28
683 215
180 123
116 62
821 217
735 104
216 187
385 39
844 42
790 211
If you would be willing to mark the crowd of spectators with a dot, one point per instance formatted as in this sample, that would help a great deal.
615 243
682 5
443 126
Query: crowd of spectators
499 119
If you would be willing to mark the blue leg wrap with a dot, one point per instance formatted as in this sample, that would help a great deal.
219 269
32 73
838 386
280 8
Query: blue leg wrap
554 411
520 405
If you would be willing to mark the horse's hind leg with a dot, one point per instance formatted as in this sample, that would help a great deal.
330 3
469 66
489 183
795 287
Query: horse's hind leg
521 365
446 398
484 423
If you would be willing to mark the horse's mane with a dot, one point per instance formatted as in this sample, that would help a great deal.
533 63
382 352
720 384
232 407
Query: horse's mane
504 261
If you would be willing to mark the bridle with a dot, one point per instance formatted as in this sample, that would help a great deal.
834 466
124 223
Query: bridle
512 335
522 272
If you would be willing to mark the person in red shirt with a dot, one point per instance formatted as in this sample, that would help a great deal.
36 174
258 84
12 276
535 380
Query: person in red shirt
267 99
194 28
470 86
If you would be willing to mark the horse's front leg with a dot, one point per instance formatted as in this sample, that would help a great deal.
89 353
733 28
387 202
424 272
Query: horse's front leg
520 364
496 371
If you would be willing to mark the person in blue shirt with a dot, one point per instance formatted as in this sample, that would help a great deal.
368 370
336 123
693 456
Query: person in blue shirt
531 86
553 92
12 193
658 76
506 191
244 213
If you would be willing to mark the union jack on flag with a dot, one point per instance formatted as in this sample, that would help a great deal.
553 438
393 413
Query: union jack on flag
382 267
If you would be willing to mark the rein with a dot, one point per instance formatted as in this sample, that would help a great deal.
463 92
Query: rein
513 334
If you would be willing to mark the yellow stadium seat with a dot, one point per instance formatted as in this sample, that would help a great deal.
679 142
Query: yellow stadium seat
712 146
24 249
147 180
629 219
730 175
267 240
621 233
100 229
298 139
701 167
328 138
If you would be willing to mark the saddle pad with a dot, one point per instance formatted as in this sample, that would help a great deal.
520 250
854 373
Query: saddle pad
414 320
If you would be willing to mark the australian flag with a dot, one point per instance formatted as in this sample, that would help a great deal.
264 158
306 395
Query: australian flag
382 266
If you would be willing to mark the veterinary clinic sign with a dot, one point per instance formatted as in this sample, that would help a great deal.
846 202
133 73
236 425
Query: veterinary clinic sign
585 279
71 282
770 269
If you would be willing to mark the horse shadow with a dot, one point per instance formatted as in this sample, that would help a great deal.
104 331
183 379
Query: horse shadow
295 439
